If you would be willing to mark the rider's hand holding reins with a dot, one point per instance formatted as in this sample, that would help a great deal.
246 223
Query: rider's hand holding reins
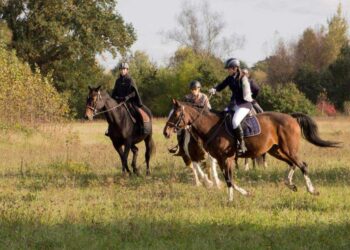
212 91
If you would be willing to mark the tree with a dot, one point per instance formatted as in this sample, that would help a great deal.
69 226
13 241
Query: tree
335 38
202 31
338 85
308 50
280 66
66 35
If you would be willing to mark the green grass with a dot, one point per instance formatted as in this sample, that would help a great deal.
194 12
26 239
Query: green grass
61 187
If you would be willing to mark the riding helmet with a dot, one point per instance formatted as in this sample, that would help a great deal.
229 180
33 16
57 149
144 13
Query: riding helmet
123 65
195 84
231 63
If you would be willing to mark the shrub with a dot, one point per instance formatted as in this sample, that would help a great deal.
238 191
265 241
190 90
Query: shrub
26 97
284 98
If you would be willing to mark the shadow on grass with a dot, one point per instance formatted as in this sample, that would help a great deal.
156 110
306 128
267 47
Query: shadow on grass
143 233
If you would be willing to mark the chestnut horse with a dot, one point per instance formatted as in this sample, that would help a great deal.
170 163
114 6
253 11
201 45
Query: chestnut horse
280 137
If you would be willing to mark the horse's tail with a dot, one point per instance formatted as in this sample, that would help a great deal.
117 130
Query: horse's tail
309 130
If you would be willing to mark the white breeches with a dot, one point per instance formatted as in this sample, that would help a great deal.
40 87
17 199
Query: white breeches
239 115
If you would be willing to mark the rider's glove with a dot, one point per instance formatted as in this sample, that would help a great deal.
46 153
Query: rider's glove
212 91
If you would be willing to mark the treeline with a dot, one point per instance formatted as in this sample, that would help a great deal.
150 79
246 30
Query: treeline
60 41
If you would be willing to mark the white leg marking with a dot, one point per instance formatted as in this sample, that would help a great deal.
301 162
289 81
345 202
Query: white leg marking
202 175
265 164
241 190
309 185
230 193
290 176
214 173
246 164
197 182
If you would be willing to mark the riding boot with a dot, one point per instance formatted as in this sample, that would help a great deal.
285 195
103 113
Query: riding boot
181 141
239 136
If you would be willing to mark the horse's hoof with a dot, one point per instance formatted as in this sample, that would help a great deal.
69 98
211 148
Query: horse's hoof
209 184
148 173
198 184
316 193
294 188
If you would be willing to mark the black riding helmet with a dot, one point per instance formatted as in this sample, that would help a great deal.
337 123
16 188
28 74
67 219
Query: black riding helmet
195 84
231 63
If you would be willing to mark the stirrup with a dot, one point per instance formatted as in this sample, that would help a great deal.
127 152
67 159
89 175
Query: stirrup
173 149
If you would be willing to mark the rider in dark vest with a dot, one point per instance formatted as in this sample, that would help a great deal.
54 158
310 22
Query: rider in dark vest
255 91
125 90
241 99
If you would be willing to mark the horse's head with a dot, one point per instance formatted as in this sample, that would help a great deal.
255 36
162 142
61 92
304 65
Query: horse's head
94 102
178 119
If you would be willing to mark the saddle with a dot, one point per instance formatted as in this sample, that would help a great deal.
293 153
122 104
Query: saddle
250 125
145 117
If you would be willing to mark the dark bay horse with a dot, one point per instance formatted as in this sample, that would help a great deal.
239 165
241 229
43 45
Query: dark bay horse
122 129
280 137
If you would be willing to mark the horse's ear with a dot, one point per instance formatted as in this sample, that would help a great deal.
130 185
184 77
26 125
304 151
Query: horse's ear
89 87
175 102
98 88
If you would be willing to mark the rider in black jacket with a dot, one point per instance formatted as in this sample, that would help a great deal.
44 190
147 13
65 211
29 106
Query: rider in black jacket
125 90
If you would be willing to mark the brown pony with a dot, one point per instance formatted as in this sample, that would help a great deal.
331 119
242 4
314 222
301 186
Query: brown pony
280 137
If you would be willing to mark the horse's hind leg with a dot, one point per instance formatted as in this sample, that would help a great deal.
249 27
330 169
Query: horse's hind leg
310 187
135 152
150 148
277 153
304 169
291 152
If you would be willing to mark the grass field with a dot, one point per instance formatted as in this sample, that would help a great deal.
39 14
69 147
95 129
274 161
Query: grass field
61 187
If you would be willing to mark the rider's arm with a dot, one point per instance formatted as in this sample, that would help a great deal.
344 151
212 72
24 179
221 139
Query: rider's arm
135 93
207 103
222 85
247 93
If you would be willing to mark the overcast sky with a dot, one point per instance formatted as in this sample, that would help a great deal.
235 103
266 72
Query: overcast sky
261 22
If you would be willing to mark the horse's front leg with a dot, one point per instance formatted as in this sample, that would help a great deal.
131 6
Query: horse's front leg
227 167
119 148
135 151
214 174
127 148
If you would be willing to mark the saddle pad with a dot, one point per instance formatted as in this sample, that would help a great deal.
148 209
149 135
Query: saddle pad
250 126
144 115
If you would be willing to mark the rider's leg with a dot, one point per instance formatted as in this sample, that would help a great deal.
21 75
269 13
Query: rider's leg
240 113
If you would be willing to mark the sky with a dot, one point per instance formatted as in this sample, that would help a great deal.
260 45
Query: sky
261 22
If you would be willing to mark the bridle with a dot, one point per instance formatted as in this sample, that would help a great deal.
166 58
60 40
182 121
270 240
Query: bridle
181 118
94 107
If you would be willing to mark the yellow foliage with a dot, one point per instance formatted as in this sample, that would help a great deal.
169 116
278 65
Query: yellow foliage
27 97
